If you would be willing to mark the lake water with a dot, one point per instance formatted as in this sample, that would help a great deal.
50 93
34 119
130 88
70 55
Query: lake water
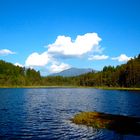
45 113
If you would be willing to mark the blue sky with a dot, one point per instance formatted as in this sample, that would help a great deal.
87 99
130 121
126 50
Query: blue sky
53 35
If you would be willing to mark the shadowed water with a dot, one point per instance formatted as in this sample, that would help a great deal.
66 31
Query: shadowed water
46 113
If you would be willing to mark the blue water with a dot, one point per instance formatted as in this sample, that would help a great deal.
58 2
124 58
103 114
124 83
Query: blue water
45 113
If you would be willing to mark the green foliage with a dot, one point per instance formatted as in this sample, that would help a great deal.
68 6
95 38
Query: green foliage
11 75
126 75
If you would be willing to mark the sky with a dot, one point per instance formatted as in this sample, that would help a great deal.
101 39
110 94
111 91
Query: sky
54 35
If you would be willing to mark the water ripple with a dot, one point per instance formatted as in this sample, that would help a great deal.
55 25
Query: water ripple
45 113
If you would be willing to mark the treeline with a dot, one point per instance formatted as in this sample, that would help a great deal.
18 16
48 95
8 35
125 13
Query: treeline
11 75
126 75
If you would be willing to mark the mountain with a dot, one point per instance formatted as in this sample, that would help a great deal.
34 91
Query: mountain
73 72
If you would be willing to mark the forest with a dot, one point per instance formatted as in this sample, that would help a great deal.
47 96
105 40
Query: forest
125 75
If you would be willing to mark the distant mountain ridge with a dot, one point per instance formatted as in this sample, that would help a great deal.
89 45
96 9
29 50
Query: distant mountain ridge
73 72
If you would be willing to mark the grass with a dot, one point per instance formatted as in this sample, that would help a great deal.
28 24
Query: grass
105 88
118 123
91 119
118 88
37 87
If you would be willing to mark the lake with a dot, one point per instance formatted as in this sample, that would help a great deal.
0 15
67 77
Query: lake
45 113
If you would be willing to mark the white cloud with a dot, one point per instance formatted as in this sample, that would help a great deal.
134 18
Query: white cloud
98 57
6 52
64 46
18 64
36 59
58 67
122 58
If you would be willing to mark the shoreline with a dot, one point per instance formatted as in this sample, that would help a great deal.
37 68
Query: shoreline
103 88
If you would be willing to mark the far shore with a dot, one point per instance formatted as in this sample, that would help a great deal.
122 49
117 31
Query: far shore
104 88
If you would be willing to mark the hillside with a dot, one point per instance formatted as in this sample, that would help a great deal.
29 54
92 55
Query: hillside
73 72
125 75
11 75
